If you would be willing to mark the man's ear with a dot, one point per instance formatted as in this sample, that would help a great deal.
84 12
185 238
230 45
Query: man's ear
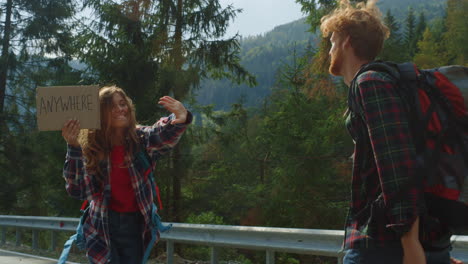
347 42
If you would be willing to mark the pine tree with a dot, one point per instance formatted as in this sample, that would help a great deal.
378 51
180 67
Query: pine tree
409 35
393 45
315 10
155 48
420 29
35 42
31 28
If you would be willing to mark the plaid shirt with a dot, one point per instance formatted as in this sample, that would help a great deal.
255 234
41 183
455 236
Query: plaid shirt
81 184
384 164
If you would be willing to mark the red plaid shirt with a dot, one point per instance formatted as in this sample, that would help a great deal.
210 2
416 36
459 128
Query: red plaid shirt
81 184
384 164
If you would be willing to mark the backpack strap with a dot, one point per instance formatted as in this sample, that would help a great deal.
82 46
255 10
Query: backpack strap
77 238
150 162
407 71
155 230
66 250
156 224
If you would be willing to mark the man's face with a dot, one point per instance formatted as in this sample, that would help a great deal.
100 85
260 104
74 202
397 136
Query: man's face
336 54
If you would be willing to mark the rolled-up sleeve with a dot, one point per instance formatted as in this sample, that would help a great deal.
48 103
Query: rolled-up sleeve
79 184
161 137
393 148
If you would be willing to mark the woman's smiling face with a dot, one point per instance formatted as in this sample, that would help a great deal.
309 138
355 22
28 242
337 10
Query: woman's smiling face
120 113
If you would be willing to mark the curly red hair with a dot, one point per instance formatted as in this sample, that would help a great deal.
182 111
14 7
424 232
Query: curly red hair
362 23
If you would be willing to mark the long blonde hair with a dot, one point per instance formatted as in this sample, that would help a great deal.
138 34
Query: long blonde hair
96 143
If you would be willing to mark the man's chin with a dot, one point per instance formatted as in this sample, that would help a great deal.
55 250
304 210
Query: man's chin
334 72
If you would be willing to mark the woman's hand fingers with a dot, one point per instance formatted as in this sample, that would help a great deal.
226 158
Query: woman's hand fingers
174 106
70 131
168 98
67 127
170 104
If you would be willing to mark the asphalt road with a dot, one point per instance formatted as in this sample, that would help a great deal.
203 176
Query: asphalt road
11 257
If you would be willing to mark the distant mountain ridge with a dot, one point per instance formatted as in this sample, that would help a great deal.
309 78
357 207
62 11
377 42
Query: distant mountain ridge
264 54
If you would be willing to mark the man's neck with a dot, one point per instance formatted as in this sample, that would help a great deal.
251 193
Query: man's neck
352 68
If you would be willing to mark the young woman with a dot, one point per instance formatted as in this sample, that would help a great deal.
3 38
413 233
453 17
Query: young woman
101 167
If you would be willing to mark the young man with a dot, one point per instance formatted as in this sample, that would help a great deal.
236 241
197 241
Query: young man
385 223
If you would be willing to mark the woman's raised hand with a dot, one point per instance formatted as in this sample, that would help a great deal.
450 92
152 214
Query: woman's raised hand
176 107
70 131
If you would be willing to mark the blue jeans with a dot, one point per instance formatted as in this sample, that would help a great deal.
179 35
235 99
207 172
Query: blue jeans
391 256
125 231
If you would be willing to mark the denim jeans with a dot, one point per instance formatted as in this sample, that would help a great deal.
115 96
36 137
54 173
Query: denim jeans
391 256
126 237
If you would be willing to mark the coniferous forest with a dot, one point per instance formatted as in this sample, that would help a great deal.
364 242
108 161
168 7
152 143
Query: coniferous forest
267 147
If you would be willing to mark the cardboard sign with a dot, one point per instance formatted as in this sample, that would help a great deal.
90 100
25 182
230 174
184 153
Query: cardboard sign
57 104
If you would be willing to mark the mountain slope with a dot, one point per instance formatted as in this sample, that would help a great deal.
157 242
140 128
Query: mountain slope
263 55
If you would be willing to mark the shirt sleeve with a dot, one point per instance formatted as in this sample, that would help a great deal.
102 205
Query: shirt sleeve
79 184
161 137
393 148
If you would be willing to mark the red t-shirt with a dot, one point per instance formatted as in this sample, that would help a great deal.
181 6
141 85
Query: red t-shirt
123 198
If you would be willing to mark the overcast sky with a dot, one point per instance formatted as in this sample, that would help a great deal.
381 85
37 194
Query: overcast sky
260 16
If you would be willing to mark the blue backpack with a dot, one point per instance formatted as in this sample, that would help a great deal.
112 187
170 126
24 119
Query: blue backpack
157 226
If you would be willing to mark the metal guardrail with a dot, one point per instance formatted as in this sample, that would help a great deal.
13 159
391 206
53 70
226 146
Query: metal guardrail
269 239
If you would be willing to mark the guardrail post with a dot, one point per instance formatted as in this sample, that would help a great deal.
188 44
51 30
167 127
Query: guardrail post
270 257
35 235
214 255
170 252
3 236
340 260
18 237
53 241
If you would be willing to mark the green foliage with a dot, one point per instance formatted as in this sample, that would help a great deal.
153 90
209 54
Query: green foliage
456 37
32 161
281 160
442 43
39 47
148 58
420 28
394 44
432 52
409 33
315 9
205 218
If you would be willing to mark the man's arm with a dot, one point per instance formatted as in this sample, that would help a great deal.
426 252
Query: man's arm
395 158
413 252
